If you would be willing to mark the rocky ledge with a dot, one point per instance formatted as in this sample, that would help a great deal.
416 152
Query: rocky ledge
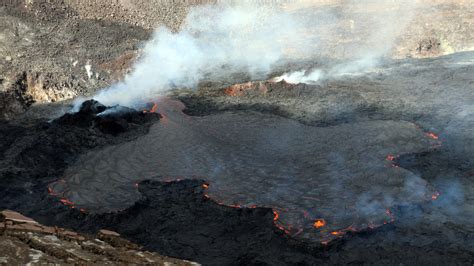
24 240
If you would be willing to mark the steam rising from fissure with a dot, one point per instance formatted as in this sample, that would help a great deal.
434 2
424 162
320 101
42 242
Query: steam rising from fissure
214 42
217 41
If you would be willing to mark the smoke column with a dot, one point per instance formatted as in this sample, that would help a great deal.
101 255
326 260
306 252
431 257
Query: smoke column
219 40
215 41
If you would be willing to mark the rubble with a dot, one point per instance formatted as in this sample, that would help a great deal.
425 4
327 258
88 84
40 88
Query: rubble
24 240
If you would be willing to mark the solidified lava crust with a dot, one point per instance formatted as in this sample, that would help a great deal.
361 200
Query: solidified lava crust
177 219
317 175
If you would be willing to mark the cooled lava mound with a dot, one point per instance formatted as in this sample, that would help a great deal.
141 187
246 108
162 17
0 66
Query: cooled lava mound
109 120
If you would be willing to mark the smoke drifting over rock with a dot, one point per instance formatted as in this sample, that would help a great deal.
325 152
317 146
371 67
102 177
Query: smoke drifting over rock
219 40
214 41
371 33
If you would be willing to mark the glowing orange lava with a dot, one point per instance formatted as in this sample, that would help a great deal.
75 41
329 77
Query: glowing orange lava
432 135
350 228
67 203
205 186
275 216
63 200
318 223
435 196
390 157
153 109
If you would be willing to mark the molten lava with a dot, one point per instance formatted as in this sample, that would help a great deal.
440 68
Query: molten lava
318 223
153 109
435 195
432 135
67 203
343 231
275 216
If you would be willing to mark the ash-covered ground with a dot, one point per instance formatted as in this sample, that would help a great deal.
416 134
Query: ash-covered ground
373 166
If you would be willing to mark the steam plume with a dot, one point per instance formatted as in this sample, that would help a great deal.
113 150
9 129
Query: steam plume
215 41
219 40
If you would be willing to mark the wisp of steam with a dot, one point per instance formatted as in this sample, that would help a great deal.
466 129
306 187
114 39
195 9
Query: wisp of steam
368 35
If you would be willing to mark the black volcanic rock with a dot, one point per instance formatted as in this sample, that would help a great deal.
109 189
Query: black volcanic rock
110 120
92 107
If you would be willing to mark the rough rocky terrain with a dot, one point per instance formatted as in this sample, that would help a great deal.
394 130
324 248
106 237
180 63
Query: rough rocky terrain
201 185
25 241
49 54
56 50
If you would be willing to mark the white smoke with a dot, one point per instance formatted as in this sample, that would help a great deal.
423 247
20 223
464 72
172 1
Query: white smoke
216 40
301 76
371 34
219 40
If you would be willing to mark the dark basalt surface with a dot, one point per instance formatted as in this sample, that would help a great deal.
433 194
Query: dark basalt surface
176 219
108 120
36 152
250 158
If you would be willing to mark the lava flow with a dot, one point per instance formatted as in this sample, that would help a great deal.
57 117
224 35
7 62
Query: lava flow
435 195
318 223
276 218
153 109
343 231
276 215
66 202
432 135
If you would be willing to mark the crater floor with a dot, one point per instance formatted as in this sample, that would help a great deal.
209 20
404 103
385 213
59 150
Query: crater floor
342 172
337 173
